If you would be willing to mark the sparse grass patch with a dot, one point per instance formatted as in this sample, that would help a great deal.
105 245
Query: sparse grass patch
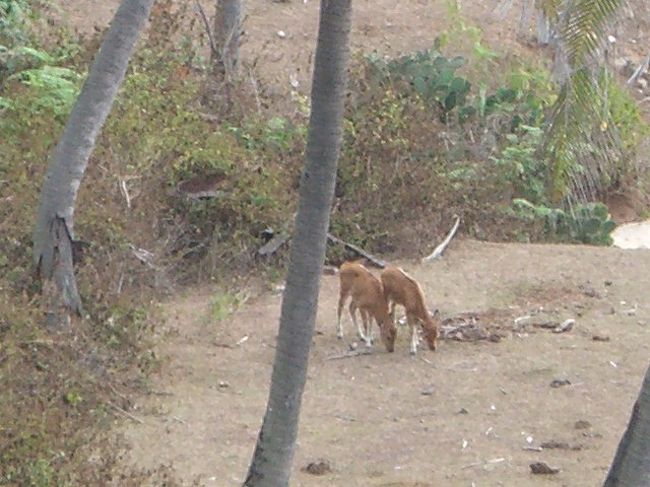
225 303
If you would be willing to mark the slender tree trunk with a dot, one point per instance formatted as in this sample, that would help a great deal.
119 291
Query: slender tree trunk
54 231
631 466
225 49
271 464
226 32
544 31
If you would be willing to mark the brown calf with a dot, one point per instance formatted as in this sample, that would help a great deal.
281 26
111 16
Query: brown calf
402 289
368 297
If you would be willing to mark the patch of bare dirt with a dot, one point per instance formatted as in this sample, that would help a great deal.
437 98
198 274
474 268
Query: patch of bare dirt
474 411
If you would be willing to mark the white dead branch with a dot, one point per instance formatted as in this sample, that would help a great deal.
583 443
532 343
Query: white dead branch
443 246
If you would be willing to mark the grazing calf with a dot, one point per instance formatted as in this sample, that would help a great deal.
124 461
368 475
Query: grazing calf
368 297
402 289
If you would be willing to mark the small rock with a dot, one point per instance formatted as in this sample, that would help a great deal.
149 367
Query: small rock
320 467
539 320
330 270
591 434
621 62
630 312
463 411
541 468
608 283
555 445
427 392
560 382
223 384
582 424
589 291
567 325
282 34
625 66
599 338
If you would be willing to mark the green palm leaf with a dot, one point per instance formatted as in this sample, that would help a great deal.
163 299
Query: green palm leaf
582 138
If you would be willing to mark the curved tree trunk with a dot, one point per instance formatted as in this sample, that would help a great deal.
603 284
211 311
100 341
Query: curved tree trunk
271 464
631 466
54 232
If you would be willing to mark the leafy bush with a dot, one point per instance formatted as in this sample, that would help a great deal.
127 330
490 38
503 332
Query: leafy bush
585 223
52 89
523 165
13 15
431 75
49 86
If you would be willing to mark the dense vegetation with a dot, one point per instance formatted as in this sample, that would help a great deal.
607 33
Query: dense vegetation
427 136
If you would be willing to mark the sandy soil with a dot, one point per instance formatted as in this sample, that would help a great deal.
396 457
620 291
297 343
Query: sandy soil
394 420
632 235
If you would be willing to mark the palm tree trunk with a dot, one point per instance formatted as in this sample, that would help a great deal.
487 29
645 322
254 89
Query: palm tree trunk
271 463
631 466
54 231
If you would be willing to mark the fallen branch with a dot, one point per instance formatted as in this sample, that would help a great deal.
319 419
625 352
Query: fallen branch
143 255
125 192
125 413
640 70
443 246
349 419
208 117
45 343
533 448
271 247
349 355
371 258
238 343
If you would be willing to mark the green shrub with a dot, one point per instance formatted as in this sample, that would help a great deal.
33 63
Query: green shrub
584 223
523 165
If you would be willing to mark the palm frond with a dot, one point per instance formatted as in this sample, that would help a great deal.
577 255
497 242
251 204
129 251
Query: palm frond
581 138
583 32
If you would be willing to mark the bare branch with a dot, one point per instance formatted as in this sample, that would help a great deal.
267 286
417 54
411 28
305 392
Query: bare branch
443 246
206 25
374 260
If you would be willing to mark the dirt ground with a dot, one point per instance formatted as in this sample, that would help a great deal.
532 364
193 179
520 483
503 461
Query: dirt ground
460 416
